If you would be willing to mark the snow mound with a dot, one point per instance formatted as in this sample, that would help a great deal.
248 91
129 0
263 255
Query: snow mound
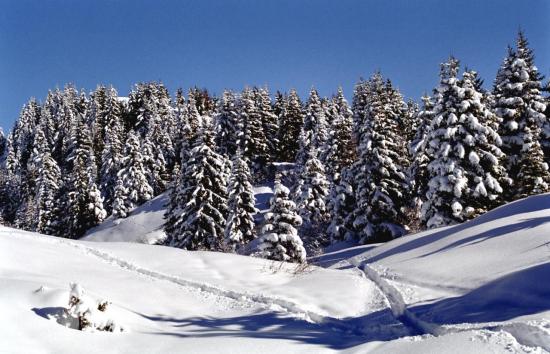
143 225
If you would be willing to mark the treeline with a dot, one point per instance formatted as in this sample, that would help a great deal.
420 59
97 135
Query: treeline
366 173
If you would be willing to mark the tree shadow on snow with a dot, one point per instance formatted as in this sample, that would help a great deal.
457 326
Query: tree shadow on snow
496 232
521 293
335 333
451 230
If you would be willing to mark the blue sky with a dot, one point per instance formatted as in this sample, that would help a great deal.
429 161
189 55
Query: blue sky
232 43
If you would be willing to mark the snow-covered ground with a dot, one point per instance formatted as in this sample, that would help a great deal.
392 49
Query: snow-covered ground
479 287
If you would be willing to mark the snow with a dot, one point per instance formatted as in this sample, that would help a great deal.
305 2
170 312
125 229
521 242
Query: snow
477 287
144 225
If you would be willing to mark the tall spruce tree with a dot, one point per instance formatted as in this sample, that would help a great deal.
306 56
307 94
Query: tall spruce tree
196 217
240 221
132 186
465 171
84 207
269 120
226 124
518 100
290 125
339 150
252 141
313 134
382 188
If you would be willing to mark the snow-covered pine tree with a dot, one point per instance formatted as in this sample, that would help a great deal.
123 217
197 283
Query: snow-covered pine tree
279 240
84 207
341 204
518 100
253 140
197 212
339 150
290 125
239 229
382 188
132 187
465 171
226 124
180 116
112 147
313 133
311 201
269 120
47 184
418 171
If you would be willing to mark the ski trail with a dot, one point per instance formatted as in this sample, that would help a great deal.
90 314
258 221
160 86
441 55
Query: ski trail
397 304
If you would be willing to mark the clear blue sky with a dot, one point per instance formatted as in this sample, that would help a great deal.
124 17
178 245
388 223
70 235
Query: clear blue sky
232 43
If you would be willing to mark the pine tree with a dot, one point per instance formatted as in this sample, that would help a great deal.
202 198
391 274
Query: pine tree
253 140
290 125
197 213
382 188
339 151
269 120
84 206
48 186
279 240
226 125
132 188
341 205
313 134
112 147
240 221
311 200
518 100
465 171
418 171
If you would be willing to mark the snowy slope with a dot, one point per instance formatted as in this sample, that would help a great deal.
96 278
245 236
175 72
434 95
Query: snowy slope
489 273
479 287
175 301
143 225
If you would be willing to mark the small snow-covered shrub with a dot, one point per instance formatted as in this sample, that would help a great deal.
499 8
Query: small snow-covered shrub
86 314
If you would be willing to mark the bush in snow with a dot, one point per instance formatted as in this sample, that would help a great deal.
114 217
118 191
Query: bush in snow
279 240
86 314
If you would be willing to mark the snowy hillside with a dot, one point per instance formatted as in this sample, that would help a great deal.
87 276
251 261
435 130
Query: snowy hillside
479 287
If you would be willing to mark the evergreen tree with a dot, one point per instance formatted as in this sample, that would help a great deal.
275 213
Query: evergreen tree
132 188
418 171
112 147
240 222
279 240
253 140
197 213
465 171
269 120
313 134
84 206
48 184
382 187
518 100
341 206
290 125
226 125
311 200
339 151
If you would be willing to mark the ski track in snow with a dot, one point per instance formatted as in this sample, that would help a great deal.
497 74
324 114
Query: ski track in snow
263 301
528 335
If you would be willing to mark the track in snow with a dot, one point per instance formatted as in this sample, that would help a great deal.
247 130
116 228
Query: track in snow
397 304
267 302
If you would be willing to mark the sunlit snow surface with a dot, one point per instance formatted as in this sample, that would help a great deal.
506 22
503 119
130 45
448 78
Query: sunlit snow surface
479 287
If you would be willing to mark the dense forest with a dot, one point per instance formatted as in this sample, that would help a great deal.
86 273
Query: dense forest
364 172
